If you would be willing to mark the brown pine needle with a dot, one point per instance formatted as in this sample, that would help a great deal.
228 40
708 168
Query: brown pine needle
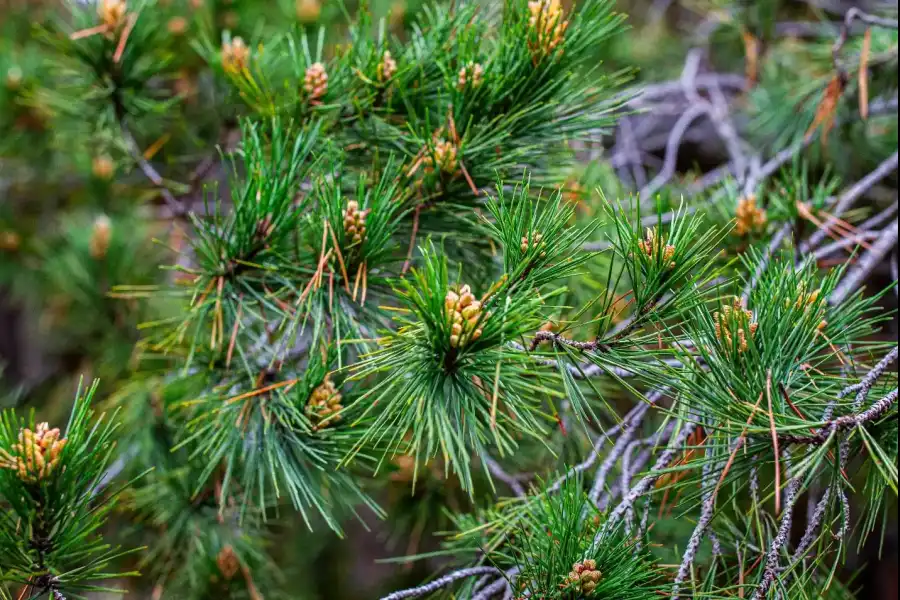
468 177
365 284
774 444
84 33
836 228
864 74
827 109
286 383
156 146
751 51
737 447
340 258
120 49
356 281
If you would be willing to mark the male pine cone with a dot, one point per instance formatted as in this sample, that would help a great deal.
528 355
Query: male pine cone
37 453
464 314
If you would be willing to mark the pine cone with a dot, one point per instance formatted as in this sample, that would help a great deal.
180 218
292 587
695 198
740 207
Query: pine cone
387 67
102 167
472 73
235 55
733 324
443 156
100 237
464 314
308 11
315 83
324 402
547 21
355 222
583 577
37 453
228 562
112 14
652 244
748 217
534 241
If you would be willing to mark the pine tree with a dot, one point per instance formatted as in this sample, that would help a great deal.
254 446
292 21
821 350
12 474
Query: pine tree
410 267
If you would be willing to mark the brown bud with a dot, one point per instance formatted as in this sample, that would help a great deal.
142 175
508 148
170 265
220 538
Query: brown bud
308 11
100 237
103 167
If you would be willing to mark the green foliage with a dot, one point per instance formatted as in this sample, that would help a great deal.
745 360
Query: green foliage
51 484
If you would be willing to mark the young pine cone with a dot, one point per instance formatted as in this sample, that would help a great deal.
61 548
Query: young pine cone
803 299
355 222
748 217
308 11
315 83
652 244
101 233
228 563
324 402
548 23
734 325
464 313
37 453
534 241
471 74
112 14
387 67
235 55
583 577
444 156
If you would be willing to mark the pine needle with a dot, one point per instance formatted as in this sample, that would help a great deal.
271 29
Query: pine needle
774 444
864 74
120 49
337 252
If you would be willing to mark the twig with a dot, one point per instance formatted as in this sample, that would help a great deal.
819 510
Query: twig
441 582
781 539
867 263
644 484
498 472
147 169
847 199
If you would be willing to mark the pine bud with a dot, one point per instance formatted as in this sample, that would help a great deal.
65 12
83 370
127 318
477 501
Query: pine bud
443 156
14 77
228 563
10 241
100 236
36 454
323 403
583 577
235 55
387 67
653 244
548 25
733 325
112 14
532 240
308 11
355 222
748 217
177 26
465 316
103 167
315 82
471 74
